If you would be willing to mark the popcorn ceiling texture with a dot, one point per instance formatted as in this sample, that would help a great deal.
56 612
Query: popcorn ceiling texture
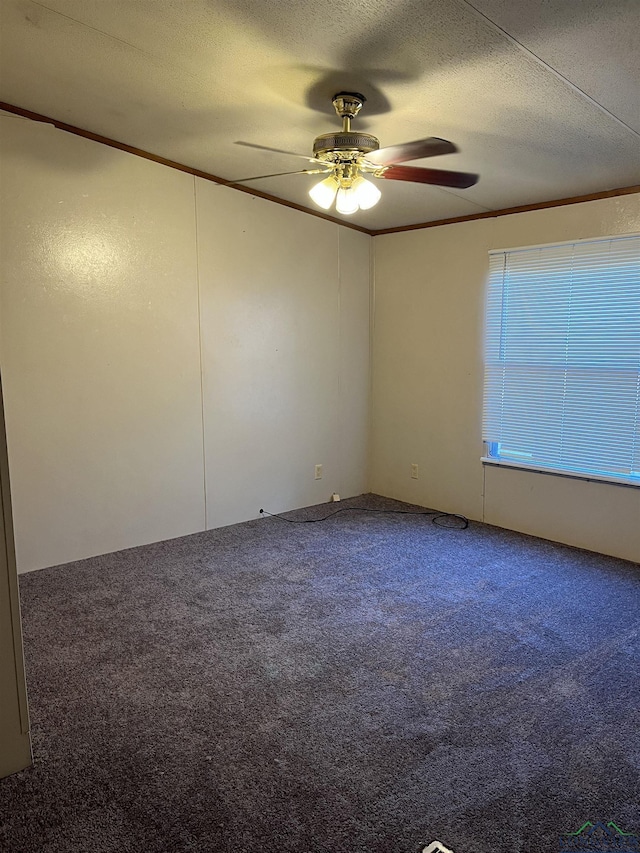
540 96
364 685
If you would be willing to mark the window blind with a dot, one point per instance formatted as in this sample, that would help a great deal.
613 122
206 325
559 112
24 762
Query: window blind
562 358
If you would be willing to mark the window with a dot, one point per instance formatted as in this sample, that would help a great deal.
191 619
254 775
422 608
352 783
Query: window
562 359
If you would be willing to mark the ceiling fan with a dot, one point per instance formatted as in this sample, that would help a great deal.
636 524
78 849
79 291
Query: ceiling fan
345 156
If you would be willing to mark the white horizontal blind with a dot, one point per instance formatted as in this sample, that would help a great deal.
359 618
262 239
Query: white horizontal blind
562 358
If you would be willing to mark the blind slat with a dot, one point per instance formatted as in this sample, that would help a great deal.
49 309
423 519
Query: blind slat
562 357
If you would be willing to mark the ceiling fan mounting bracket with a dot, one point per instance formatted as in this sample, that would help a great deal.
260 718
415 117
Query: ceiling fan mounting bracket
348 104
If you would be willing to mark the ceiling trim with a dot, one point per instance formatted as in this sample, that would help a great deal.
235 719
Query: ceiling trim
507 211
172 164
198 173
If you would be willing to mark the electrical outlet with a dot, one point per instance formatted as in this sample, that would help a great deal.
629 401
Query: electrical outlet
414 471
318 474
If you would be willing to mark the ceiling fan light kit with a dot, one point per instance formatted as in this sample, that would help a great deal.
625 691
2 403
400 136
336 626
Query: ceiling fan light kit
367 193
346 200
345 156
350 194
324 193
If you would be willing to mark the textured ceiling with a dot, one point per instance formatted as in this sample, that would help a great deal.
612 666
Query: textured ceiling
542 97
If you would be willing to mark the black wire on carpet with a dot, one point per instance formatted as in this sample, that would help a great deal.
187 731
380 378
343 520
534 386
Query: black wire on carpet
437 518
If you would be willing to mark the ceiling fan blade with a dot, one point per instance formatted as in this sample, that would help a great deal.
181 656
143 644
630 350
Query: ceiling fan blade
438 177
274 175
275 150
411 151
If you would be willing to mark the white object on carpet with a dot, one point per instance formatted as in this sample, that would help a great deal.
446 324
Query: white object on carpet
436 847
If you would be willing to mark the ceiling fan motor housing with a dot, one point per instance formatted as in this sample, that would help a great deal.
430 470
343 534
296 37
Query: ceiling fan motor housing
344 146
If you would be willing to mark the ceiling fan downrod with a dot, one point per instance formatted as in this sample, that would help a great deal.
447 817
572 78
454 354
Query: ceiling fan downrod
348 105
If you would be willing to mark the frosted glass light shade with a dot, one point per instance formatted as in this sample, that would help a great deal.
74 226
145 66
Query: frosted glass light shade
346 200
324 193
366 192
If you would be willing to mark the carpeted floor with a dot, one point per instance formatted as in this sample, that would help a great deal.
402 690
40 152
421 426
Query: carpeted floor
364 685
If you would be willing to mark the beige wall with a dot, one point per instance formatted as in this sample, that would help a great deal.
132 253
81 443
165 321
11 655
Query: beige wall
428 372
15 747
285 350
176 355
98 347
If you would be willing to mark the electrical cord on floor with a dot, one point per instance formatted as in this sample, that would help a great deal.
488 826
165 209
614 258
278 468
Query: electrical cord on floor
437 518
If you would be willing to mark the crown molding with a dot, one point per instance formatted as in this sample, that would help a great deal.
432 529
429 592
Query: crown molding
172 164
207 176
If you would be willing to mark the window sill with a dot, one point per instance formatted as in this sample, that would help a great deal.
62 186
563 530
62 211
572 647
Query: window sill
556 472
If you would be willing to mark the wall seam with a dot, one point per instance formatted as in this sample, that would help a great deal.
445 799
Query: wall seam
372 313
202 415
340 434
